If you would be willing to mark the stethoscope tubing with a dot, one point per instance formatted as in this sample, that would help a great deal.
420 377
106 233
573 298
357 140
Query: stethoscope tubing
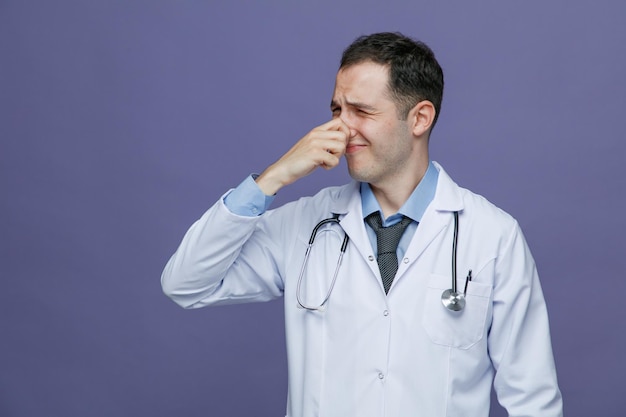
451 298
342 251
455 240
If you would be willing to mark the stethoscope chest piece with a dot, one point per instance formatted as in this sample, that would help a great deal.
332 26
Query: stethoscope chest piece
453 300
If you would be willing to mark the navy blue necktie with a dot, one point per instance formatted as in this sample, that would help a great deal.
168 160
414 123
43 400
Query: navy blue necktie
387 239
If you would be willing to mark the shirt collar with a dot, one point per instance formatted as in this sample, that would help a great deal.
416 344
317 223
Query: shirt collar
413 208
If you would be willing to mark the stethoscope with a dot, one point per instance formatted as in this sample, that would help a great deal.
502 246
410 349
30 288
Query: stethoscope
451 298
342 251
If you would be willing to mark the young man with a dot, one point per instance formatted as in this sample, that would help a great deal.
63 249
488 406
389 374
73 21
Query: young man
374 331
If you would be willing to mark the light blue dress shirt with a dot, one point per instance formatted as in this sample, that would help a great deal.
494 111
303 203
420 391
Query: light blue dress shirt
413 208
248 200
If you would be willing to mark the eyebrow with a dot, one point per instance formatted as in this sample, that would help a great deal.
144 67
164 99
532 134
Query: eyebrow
356 104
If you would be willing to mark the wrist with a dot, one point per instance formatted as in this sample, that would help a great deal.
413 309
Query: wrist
269 182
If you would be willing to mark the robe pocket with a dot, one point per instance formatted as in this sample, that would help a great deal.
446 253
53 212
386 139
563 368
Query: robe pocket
457 329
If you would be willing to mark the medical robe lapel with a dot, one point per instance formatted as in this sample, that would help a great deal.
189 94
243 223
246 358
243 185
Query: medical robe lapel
348 205
437 219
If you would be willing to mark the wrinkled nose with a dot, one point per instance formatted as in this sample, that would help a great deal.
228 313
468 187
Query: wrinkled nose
352 132
346 120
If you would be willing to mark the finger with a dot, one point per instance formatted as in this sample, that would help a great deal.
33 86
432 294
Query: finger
343 127
330 161
332 142
335 135
335 146
335 124
329 125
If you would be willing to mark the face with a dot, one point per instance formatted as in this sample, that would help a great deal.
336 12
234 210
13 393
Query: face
381 148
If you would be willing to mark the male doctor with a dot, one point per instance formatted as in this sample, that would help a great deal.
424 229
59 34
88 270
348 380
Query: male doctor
370 332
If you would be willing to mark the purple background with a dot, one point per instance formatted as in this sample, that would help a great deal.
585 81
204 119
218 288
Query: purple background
122 121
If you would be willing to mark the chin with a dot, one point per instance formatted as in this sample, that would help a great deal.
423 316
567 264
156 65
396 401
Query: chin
360 174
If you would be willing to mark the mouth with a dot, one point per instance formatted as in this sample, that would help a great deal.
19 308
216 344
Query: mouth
354 147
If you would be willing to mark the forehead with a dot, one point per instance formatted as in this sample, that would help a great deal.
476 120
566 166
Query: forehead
362 82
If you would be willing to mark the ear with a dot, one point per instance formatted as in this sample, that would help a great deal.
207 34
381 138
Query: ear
421 118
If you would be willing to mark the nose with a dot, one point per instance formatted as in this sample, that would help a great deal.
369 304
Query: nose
346 120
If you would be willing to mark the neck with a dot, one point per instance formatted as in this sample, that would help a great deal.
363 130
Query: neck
392 194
